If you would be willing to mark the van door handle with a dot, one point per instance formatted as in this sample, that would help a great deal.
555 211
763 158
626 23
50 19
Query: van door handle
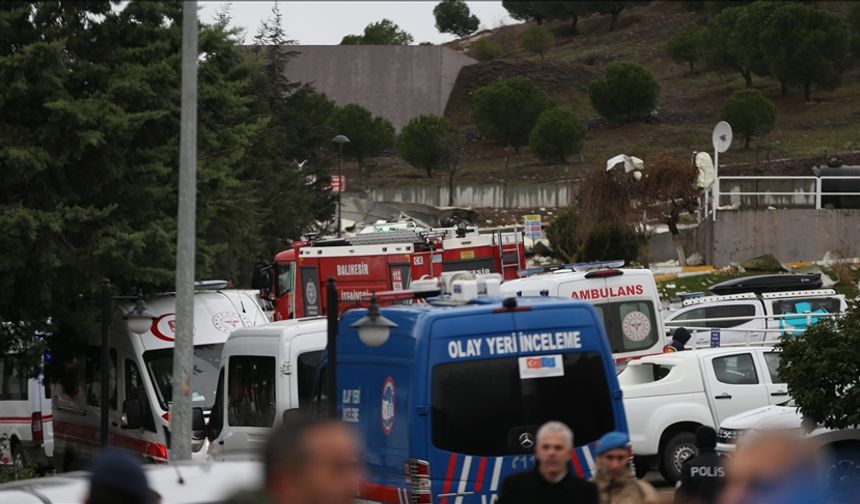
455 494
723 396
779 393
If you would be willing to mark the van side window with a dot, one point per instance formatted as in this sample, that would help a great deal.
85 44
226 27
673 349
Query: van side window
93 377
772 361
216 418
736 369
804 305
729 311
13 381
309 363
251 388
719 311
135 389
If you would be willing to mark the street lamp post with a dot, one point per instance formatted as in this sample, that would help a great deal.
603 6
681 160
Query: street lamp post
339 140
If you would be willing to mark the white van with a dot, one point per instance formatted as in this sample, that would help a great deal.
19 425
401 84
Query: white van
625 298
26 429
265 371
754 318
141 376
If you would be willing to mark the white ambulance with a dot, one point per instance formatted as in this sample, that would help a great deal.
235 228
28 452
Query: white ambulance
265 371
141 369
625 298
26 433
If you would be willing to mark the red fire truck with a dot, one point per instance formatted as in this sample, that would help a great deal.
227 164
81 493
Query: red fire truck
384 260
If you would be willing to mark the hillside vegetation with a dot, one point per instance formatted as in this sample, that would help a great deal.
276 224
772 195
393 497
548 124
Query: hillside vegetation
688 107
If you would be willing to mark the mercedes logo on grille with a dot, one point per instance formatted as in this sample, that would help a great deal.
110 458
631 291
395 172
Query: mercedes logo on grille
527 440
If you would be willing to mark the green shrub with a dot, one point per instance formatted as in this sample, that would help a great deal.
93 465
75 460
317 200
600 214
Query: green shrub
558 133
625 92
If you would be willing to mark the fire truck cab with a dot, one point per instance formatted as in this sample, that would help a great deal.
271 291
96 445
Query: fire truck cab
625 299
449 401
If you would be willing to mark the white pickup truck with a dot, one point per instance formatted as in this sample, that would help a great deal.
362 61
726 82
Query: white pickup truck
754 318
668 396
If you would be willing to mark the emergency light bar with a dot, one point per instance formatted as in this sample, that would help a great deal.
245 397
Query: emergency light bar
584 266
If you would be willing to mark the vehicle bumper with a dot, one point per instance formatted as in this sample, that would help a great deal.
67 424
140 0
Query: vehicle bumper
726 448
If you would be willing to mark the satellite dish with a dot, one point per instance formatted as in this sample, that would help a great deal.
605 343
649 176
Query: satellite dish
722 136
706 169
630 163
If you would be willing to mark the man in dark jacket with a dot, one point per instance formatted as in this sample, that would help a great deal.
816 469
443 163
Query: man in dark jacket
680 337
551 480
702 476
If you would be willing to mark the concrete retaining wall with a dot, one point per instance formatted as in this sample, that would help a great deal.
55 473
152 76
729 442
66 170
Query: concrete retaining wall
395 82
790 234
482 195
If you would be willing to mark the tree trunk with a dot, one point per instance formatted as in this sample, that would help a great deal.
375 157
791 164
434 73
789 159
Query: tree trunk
807 90
429 172
747 77
691 66
783 87
451 173
679 250
613 20
573 22
747 141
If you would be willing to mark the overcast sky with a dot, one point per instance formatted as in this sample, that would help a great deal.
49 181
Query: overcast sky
325 23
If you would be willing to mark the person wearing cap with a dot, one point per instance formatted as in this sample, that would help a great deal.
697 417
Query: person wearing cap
117 477
551 480
680 337
615 480
702 476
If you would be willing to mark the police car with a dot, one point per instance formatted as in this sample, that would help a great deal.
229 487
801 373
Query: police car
448 395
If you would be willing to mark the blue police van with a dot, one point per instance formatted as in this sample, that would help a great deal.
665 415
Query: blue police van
450 400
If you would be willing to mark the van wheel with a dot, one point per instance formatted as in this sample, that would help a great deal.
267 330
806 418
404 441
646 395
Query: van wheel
680 447
70 462
19 462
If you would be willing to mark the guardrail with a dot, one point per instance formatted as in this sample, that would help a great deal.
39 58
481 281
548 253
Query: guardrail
809 316
811 189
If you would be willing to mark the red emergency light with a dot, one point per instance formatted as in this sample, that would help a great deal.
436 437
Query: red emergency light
604 273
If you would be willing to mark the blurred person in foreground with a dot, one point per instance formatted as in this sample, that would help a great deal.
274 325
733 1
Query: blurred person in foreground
771 467
118 478
680 337
309 461
615 479
551 480
702 476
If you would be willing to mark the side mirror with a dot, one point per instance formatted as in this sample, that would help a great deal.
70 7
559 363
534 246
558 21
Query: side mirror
265 294
132 414
198 422
291 415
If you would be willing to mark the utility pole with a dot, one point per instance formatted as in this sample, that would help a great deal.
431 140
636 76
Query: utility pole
183 351
105 363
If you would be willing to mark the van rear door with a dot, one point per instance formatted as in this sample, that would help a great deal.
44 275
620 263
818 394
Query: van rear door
495 378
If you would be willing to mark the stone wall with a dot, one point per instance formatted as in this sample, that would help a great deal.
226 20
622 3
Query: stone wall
395 82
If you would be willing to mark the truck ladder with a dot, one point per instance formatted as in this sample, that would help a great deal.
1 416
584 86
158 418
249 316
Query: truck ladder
509 254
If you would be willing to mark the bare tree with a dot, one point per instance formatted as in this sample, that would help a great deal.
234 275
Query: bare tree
667 189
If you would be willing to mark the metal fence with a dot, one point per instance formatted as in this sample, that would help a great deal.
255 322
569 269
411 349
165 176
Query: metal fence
782 192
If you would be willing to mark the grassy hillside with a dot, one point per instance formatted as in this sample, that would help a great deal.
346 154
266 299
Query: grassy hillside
688 108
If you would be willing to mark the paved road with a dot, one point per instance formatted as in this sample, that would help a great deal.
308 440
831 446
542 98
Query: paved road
664 488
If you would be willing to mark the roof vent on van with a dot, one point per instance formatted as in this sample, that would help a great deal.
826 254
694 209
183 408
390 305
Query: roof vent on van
211 285
604 273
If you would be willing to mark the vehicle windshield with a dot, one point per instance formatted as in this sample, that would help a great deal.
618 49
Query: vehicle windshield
630 325
284 278
207 359
490 397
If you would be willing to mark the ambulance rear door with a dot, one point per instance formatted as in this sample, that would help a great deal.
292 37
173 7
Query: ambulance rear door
628 304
